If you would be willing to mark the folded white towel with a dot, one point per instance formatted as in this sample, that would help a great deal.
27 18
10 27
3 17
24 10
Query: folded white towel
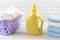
5 16
10 13
54 24
13 11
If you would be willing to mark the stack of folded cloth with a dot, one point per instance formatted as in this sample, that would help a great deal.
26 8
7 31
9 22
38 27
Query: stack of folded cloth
54 26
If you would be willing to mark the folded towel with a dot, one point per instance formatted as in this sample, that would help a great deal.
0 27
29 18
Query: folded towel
53 34
54 29
54 19
54 24
13 11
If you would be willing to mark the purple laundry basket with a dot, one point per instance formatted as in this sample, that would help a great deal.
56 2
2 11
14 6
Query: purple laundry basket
9 26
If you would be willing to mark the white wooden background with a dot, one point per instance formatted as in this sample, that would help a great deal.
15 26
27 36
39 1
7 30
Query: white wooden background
45 7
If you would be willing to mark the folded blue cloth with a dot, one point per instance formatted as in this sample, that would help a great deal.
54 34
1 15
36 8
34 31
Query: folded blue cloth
50 33
54 29
54 19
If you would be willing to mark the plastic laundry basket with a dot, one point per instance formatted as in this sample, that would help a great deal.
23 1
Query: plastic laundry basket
9 21
9 26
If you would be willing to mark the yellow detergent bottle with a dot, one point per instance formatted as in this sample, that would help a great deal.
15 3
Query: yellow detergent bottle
32 22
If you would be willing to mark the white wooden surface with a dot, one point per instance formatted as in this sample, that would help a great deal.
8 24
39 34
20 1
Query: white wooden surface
22 35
